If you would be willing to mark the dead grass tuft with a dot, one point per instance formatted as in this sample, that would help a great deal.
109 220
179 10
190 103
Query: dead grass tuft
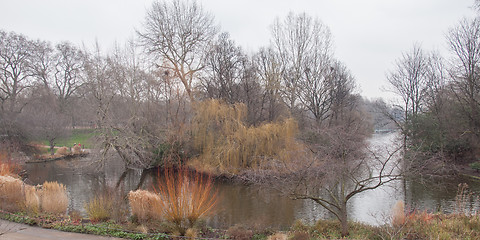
32 199
398 214
99 208
54 198
11 194
145 205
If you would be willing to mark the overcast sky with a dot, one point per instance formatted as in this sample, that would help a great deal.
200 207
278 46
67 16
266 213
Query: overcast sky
369 35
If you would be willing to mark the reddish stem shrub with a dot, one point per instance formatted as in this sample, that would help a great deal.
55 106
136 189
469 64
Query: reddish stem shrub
185 197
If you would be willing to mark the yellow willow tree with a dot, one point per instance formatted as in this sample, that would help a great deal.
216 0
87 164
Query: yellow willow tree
228 145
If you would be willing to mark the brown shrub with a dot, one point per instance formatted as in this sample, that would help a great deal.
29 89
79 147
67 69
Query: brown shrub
54 198
145 205
239 232
63 151
11 194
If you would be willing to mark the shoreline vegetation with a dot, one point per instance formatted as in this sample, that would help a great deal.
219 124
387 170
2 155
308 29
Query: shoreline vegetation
147 221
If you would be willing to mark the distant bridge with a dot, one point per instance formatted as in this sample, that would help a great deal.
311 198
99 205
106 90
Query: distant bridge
385 130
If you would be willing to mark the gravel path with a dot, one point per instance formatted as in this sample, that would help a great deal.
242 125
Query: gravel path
16 231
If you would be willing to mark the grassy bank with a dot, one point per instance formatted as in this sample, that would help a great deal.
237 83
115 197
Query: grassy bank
78 136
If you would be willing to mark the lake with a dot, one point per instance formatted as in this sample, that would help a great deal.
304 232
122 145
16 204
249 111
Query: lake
252 205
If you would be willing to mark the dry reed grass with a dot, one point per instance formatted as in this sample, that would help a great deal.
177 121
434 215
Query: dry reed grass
185 198
32 199
100 208
12 197
398 214
145 205
54 198
62 151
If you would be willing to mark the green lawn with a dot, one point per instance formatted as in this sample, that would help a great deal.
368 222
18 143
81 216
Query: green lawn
79 136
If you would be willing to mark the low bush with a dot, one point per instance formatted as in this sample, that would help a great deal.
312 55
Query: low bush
54 199
239 232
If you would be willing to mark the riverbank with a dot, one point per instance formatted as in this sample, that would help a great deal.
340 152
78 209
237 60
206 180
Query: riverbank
416 225
467 171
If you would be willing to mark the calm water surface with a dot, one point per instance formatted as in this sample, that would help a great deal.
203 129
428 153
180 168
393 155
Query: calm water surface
250 205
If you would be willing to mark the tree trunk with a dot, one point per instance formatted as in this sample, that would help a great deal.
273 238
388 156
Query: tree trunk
344 220
52 148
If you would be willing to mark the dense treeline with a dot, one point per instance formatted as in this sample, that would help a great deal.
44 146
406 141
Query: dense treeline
440 99
142 97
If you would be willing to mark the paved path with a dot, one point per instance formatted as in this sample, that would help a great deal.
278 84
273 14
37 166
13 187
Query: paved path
16 231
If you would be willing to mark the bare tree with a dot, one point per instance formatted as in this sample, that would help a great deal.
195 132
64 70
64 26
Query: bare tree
15 74
43 118
337 166
59 70
464 43
303 46
223 70
409 80
179 33
269 76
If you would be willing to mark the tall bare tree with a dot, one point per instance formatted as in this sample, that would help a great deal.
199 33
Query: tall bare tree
303 46
269 76
464 43
223 72
409 81
15 72
179 33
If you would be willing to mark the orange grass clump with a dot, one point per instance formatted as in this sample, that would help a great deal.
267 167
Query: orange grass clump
185 198
11 194
6 167
54 198
145 205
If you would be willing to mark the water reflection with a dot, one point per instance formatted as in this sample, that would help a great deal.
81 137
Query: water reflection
249 205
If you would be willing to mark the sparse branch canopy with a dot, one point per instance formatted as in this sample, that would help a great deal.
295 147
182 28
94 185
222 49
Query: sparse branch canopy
303 46
179 32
